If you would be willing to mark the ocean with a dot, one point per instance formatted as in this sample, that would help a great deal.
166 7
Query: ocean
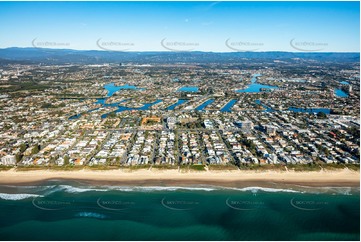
59 210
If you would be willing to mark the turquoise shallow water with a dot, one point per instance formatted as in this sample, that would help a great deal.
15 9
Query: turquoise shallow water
52 211
111 88
256 87
340 93
188 89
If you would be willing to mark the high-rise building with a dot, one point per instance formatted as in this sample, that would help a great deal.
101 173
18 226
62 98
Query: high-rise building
270 129
245 125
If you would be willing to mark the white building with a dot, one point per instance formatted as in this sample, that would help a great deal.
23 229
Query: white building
171 121
8 160
208 124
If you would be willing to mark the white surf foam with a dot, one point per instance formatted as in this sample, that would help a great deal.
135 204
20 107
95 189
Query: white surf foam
265 189
74 189
47 190
14 197
160 188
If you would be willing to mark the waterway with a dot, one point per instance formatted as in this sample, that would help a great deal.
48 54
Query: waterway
204 105
145 106
180 101
310 110
267 109
255 87
188 89
111 88
228 106
340 93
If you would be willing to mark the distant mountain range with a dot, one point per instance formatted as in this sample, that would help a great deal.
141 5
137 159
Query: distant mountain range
65 56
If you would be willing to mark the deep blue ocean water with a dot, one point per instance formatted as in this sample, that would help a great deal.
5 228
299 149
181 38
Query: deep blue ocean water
54 211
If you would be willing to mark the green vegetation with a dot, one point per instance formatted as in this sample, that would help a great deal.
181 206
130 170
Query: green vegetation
265 167
66 168
25 86
321 115
299 167
5 168
47 105
23 147
31 168
281 167
304 167
138 167
66 160
35 149
102 167
18 157
112 115
197 167
250 145
165 167
50 167
354 167
226 167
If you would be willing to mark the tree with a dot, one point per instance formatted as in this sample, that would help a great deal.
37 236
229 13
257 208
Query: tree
321 115
35 150
47 105
23 147
66 160
112 115
18 157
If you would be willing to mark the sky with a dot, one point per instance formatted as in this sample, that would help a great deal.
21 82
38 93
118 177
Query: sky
182 26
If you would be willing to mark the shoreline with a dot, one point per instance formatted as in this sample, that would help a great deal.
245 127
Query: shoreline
142 177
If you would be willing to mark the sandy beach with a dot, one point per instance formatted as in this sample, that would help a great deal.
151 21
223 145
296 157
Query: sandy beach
337 178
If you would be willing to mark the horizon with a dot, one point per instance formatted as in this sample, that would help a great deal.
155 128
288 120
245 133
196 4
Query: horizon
185 51
219 27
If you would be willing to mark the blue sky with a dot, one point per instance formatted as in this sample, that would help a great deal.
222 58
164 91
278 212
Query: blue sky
164 26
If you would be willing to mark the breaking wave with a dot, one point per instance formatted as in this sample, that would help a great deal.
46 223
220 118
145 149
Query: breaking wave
19 196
